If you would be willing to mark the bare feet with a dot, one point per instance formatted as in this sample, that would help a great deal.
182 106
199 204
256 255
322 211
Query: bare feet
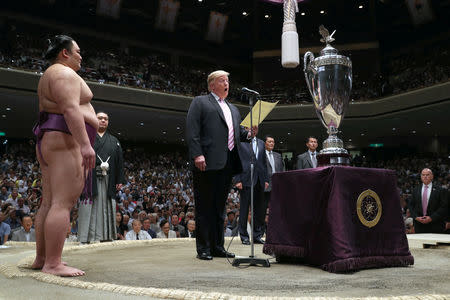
64 271
39 263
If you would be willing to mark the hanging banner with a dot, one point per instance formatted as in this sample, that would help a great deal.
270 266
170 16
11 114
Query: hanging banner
109 8
216 27
420 11
167 15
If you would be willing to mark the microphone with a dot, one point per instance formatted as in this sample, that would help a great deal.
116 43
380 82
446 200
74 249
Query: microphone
249 91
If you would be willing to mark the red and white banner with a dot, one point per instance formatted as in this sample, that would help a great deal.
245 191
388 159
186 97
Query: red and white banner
420 11
216 27
167 15
109 8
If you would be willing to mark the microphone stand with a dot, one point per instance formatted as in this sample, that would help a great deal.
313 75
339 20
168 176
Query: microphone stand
251 260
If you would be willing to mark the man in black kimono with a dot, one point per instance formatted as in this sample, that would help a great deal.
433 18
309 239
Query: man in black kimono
97 216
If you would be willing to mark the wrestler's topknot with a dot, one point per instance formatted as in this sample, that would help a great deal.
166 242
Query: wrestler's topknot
56 44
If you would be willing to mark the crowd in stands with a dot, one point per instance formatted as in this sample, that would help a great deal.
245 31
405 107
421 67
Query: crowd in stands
153 71
158 197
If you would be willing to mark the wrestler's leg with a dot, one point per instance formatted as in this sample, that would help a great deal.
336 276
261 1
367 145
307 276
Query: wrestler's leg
41 215
66 181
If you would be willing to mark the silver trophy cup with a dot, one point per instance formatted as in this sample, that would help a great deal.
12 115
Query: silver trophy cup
329 79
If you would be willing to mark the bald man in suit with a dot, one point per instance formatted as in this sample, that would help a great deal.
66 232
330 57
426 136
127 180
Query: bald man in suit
429 205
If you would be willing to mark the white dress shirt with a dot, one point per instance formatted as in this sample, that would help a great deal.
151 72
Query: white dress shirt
271 160
143 235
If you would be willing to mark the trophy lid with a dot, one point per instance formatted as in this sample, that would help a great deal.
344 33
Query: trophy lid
328 50
327 38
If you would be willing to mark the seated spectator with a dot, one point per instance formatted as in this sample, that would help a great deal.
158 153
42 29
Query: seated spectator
153 217
175 226
226 230
165 232
190 232
146 227
127 208
13 219
121 228
5 229
22 207
126 222
137 233
142 215
25 233
4 193
14 197
74 221
231 220
70 238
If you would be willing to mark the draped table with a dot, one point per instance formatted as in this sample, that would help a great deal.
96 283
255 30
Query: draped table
338 218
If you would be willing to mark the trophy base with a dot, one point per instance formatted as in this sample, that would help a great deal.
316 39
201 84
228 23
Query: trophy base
333 159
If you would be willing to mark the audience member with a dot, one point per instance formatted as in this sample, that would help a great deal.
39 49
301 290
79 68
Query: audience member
25 233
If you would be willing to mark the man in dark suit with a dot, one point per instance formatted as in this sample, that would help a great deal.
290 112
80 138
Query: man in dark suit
429 205
274 164
213 136
255 149
309 158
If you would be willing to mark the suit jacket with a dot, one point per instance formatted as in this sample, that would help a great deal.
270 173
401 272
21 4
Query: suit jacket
172 235
186 234
279 167
19 235
437 209
207 132
304 161
260 167
179 228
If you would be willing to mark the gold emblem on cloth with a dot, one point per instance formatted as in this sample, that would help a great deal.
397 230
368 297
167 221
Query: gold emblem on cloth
369 208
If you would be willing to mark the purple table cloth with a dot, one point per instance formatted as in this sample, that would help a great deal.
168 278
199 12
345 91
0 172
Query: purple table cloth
314 216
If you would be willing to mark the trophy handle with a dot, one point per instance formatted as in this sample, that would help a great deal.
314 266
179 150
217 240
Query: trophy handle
309 71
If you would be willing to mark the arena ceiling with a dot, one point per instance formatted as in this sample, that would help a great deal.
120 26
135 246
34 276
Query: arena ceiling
252 25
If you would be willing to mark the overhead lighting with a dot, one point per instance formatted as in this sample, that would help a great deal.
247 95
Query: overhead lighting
393 129
3 116
164 132
413 131
182 140
362 134
119 133
303 14
281 142
142 123
8 108
178 127
322 11
360 6
349 140
244 13
428 123
266 16
289 133
200 0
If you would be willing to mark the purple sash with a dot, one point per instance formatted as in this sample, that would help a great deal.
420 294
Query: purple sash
56 122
